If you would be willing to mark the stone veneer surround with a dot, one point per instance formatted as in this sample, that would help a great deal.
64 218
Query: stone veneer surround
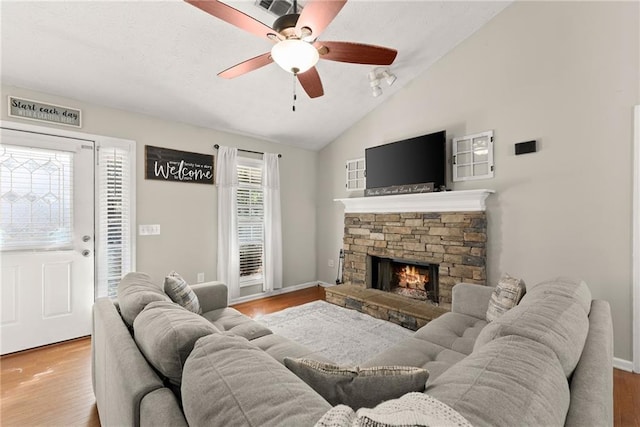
456 241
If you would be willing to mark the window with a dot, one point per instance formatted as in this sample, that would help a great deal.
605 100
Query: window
115 233
473 157
355 174
250 203
36 189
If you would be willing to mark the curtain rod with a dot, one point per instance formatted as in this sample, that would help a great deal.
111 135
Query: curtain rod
246 151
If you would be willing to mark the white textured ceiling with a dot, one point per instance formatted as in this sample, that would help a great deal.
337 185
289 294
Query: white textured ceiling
161 58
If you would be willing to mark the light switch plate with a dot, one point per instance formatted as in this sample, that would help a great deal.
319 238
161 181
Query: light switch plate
200 278
149 230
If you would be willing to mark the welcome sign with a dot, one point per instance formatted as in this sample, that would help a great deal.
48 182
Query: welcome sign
172 165
43 112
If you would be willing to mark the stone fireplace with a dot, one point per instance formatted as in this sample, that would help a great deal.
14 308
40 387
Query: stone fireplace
415 247
455 242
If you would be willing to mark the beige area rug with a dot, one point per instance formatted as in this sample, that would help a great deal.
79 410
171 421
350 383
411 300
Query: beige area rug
345 336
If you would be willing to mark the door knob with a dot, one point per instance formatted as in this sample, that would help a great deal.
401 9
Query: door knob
86 238
86 252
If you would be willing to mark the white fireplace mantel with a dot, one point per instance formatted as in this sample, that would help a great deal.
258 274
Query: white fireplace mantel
445 201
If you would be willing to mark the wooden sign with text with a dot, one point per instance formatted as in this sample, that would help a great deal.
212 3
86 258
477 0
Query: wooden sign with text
44 112
172 165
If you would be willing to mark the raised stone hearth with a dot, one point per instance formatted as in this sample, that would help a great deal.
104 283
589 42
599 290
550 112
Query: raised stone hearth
411 314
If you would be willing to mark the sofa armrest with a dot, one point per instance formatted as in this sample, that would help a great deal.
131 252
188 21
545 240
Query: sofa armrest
211 295
471 299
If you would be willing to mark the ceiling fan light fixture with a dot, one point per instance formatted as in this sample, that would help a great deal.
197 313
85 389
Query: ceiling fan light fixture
294 55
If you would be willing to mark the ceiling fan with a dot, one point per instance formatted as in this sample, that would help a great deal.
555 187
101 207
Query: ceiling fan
296 47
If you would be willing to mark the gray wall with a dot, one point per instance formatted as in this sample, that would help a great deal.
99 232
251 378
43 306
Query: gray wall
565 74
187 213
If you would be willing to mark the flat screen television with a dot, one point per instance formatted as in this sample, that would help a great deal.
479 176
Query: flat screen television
416 160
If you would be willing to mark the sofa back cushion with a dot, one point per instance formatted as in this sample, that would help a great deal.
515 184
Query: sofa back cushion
511 381
135 291
228 381
550 314
165 333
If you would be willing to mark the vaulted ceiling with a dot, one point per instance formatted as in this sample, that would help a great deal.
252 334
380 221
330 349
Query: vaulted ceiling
161 58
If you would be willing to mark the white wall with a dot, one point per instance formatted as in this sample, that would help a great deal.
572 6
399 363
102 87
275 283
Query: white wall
187 212
563 73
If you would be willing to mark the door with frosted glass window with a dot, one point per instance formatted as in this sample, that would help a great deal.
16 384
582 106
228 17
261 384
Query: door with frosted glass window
46 239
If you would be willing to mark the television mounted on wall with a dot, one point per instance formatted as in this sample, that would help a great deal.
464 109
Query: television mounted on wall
417 160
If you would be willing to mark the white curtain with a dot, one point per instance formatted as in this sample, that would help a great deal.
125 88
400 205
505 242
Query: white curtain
272 223
228 251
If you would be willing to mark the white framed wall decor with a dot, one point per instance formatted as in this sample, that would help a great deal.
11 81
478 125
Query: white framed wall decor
355 174
472 156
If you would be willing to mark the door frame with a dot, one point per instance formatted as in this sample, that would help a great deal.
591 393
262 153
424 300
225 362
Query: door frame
636 242
98 141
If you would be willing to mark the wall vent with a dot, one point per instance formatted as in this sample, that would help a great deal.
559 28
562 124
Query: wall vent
277 7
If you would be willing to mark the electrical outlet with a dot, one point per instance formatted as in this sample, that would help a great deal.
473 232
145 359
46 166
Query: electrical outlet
331 263
200 278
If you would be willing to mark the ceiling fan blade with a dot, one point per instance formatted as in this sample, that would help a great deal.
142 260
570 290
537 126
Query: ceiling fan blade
311 83
246 66
232 16
317 14
357 53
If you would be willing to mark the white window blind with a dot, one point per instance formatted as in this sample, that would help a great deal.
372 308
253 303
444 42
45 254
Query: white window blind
114 228
36 194
250 221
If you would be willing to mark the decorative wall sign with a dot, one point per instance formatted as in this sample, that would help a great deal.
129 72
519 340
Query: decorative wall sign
44 112
172 165
400 189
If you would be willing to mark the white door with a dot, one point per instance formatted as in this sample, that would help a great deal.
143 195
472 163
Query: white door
46 239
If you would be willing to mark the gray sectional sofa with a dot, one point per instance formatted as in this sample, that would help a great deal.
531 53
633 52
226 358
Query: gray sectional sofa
548 361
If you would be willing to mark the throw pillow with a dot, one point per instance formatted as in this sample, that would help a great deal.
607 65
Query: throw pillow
181 293
505 296
412 409
358 387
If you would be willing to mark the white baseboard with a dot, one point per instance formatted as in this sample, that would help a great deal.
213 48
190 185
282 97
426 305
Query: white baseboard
625 365
277 292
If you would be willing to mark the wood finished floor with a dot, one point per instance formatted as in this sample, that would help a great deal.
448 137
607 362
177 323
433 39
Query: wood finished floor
51 386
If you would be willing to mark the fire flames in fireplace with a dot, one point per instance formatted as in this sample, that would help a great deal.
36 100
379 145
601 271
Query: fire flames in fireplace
411 281
409 277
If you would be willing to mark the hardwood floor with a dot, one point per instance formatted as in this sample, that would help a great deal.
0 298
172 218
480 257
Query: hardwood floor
51 386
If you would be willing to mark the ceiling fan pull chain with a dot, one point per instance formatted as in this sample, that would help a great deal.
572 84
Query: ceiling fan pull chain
294 93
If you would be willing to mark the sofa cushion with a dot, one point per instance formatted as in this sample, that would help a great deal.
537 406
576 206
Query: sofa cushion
412 409
504 297
180 292
280 347
228 381
165 333
557 321
231 320
454 331
135 291
511 381
358 387
419 353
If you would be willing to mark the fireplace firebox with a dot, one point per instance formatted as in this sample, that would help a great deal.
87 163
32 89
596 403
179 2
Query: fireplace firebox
413 279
